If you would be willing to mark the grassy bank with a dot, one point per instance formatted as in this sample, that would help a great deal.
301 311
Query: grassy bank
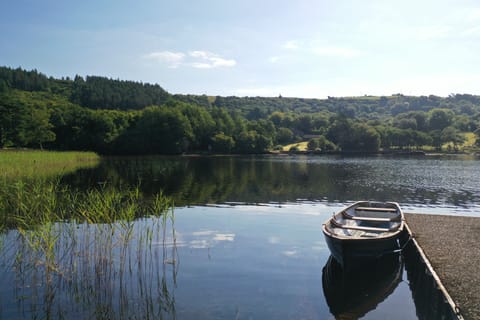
78 247
31 194
18 164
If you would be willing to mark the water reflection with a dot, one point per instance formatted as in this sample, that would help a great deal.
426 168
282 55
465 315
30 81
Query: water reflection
351 295
270 179
430 302
125 270
354 294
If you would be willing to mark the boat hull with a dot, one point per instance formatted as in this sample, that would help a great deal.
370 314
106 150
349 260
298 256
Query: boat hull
352 253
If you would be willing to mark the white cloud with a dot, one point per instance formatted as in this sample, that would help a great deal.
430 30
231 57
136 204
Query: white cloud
196 59
172 59
209 60
336 52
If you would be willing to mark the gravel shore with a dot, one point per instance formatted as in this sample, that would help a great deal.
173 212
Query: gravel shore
452 244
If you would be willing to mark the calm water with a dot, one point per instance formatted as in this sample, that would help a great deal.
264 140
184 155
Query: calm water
231 259
425 184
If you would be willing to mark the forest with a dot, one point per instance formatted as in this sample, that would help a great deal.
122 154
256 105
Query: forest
117 117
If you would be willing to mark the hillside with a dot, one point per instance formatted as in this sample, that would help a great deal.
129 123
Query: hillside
126 117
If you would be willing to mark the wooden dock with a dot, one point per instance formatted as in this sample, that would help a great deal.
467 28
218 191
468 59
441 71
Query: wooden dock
452 246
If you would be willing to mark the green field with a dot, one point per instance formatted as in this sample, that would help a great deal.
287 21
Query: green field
18 164
301 146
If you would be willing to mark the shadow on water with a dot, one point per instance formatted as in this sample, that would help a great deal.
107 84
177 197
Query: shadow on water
351 295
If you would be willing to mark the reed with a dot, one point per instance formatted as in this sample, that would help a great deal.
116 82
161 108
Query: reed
74 250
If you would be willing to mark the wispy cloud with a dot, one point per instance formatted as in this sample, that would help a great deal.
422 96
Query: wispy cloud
196 59
209 60
171 59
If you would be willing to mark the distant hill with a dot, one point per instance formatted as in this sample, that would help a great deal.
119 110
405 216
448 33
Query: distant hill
98 92
126 117
93 92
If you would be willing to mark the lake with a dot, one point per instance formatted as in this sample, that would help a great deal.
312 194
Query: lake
447 184
243 242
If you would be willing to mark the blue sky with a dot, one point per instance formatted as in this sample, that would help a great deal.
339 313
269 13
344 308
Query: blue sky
301 48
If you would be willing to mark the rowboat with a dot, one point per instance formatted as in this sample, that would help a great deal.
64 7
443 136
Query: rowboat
364 231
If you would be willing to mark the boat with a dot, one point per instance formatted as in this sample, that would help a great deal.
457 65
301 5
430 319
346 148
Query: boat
364 231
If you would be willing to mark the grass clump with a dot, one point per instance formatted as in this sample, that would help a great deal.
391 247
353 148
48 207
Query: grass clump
89 248
25 204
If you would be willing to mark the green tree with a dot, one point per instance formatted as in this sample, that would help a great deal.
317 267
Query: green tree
159 130
284 135
37 128
450 134
222 143
439 119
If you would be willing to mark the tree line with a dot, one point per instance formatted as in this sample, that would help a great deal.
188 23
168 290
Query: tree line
124 117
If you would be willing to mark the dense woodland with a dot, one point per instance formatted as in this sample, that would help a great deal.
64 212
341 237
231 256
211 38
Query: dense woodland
125 117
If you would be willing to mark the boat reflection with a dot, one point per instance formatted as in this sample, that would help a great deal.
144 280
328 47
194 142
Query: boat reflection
352 294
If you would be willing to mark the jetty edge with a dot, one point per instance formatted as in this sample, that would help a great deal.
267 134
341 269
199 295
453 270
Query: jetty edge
448 246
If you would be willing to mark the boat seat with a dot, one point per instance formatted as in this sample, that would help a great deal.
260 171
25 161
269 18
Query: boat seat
373 219
362 228
375 209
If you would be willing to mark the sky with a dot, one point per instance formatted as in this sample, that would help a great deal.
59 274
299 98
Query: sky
301 48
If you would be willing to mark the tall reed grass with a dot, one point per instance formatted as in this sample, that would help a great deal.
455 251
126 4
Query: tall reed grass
102 252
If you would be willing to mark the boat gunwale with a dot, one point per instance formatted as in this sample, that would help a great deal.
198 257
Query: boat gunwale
387 236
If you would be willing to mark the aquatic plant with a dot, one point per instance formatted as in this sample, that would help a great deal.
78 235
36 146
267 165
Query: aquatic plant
100 253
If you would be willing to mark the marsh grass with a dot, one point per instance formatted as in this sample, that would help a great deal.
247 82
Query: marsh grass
21 164
103 252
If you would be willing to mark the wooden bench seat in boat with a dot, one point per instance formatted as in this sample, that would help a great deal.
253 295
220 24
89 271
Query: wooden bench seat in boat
375 209
363 228
374 219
